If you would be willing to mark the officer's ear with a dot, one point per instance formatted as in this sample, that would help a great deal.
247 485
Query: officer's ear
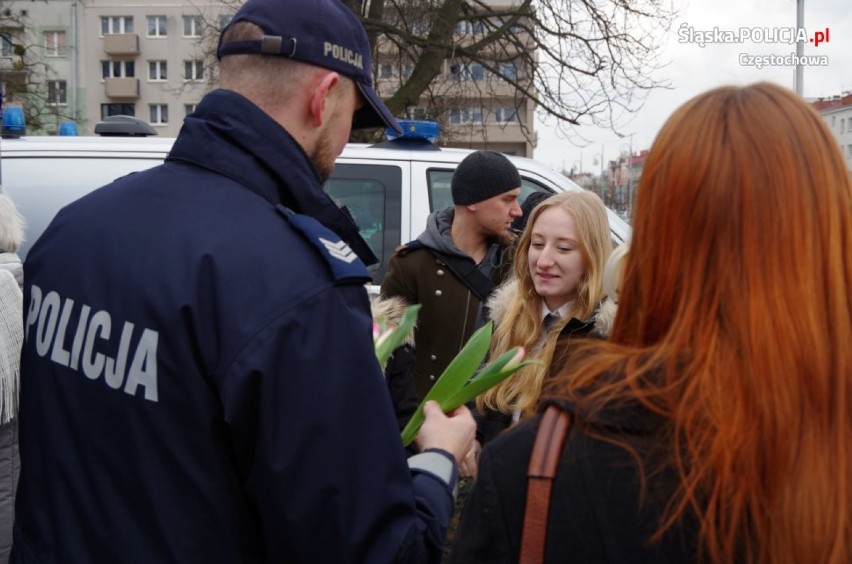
320 90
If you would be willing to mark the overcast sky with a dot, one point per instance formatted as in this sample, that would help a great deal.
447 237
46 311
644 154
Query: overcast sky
693 69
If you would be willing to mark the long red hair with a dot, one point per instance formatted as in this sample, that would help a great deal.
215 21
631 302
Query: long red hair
735 325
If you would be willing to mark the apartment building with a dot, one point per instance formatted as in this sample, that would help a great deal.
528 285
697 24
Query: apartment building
93 58
35 58
148 58
837 113
477 108
154 59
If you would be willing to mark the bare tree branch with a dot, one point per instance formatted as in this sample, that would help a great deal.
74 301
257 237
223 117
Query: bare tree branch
579 61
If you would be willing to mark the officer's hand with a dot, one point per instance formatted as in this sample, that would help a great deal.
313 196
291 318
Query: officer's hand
468 466
454 432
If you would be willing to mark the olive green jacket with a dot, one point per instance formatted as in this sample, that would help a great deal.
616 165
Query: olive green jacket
450 311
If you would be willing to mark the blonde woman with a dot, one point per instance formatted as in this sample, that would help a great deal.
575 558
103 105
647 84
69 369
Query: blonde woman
554 293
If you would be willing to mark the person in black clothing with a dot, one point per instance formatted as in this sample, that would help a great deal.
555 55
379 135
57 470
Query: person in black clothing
527 206
398 368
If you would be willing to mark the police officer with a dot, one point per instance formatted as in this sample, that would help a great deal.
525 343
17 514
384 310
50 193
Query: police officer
198 375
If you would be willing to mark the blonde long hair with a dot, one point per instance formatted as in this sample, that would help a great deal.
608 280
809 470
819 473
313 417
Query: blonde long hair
521 324
735 327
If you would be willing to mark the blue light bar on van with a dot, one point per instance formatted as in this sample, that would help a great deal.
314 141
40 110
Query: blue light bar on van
14 124
416 129
68 128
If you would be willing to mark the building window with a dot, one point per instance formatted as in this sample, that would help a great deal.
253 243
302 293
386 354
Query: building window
118 69
420 27
849 151
421 113
157 26
193 70
224 21
116 24
117 110
159 114
57 93
385 70
192 26
157 70
7 48
461 116
469 28
514 29
54 43
407 71
508 71
465 72
189 108
506 114
842 126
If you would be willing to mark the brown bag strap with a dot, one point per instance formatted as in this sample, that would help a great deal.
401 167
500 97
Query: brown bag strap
544 460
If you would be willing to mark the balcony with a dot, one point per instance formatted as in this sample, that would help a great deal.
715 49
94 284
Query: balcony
121 44
122 87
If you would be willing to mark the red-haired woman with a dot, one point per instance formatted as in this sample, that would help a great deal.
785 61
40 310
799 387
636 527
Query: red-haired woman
716 425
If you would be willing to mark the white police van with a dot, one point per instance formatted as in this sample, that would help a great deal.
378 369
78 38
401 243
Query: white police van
389 188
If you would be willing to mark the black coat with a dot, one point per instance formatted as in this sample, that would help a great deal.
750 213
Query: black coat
491 423
401 384
235 412
595 516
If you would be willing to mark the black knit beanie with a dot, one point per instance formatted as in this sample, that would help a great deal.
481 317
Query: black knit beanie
482 175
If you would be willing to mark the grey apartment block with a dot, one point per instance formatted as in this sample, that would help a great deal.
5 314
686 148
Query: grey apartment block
839 120
151 59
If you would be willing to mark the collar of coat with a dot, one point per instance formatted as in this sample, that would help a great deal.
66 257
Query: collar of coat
499 302
627 416
229 135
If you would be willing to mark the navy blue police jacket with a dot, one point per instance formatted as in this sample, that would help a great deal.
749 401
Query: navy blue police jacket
198 375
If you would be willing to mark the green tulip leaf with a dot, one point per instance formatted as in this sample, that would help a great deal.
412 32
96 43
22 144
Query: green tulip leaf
389 342
457 374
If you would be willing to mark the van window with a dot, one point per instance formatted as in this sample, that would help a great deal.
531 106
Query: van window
373 196
440 194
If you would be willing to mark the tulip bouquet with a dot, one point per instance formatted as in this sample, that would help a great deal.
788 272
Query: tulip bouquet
460 382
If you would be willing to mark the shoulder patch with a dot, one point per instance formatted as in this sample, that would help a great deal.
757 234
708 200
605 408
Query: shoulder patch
342 261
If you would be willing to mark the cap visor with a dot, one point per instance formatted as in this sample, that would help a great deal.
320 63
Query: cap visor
374 113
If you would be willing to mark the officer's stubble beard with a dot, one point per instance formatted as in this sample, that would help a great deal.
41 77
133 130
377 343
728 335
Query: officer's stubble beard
322 158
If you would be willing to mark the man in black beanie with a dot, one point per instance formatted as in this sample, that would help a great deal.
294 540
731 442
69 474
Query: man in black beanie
453 266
